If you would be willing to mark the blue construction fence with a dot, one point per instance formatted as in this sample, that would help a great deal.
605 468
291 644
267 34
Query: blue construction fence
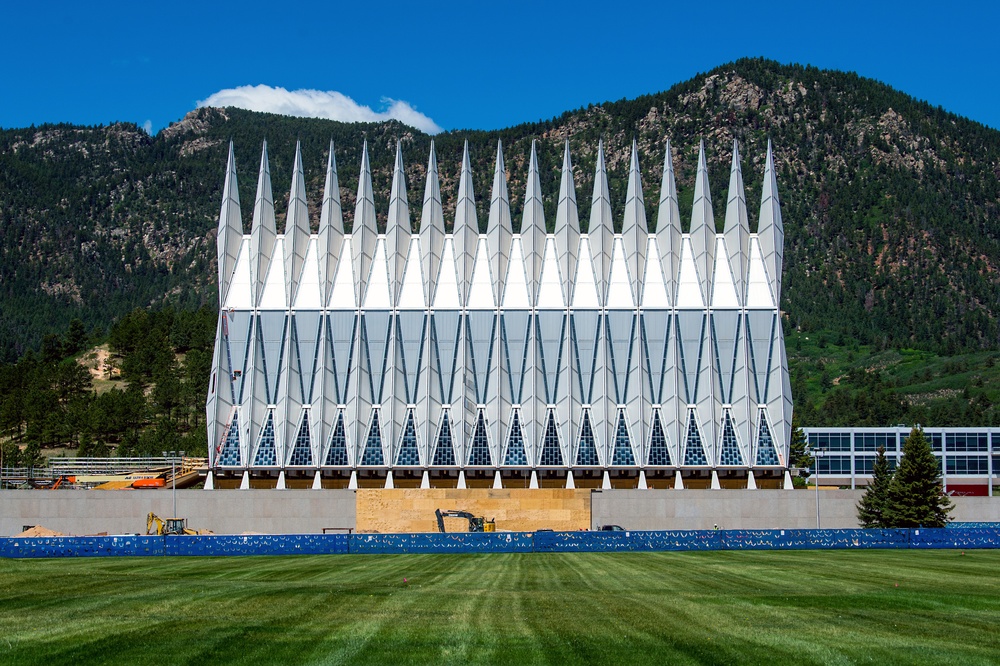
498 542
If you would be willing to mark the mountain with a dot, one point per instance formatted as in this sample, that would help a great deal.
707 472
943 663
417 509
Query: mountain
891 206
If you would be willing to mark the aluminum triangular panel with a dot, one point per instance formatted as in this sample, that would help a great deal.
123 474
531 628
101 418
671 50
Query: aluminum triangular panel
688 284
466 230
480 330
309 295
703 226
654 289
240 294
343 294
620 331
305 342
586 331
499 230
271 330
585 294
236 330
723 287
411 292
446 331
691 339
446 293
550 334
620 283
760 325
758 283
262 230
410 331
515 291
635 233
601 229
515 328
532 227
378 295
726 336
341 335
363 231
655 339
375 334
550 287
273 296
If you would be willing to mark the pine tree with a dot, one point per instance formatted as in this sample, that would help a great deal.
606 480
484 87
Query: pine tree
915 493
872 507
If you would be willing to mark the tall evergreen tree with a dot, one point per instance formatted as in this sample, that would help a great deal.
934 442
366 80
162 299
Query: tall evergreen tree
916 498
872 507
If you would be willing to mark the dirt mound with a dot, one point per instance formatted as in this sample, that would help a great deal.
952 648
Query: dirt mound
39 531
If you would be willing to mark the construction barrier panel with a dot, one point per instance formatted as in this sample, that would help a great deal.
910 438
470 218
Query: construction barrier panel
498 542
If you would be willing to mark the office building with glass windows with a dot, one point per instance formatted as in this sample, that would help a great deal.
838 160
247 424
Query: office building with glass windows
969 458
437 351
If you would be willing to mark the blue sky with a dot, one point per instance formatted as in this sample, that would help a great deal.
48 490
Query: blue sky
466 64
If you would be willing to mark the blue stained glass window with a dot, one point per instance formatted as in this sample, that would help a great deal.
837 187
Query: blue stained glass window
587 452
766 453
479 454
659 454
444 454
266 455
337 455
373 445
623 445
731 454
408 454
515 443
230 455
302 453
694 450
551 453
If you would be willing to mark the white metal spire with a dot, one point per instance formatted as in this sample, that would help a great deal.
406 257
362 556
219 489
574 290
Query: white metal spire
296 227
230 230
635 233
737 229
262 231
770 229
703 227
668 226
533 225
431 228
331 227
601 230
567 226
499 231
363 231
466 229
397 227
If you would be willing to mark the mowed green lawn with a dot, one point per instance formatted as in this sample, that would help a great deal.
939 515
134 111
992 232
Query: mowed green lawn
833 607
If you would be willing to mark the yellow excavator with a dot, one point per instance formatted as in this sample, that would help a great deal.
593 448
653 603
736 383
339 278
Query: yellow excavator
476 523
170 526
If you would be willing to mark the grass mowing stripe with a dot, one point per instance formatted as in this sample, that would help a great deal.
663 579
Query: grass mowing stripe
718 607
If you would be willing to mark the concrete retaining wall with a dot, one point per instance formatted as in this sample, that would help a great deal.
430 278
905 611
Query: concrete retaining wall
309 511
221 511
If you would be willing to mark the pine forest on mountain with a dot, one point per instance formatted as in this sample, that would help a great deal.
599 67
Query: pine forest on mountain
891 207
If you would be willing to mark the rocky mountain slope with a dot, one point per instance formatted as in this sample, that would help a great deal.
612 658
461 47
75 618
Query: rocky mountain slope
891 206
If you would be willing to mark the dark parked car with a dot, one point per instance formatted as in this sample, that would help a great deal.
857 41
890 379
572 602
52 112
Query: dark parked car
612 528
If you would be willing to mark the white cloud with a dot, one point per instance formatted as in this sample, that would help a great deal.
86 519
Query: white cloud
328 104
148 126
